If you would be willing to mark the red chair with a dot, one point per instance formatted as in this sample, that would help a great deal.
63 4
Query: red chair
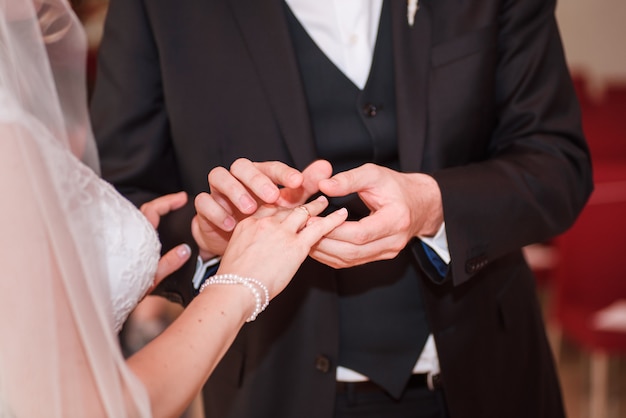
590 277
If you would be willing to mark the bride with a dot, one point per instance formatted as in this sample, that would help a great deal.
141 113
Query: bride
76 257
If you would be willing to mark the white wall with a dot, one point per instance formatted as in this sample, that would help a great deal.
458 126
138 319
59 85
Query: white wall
594 37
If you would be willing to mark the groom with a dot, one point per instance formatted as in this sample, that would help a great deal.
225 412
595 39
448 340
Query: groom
425 306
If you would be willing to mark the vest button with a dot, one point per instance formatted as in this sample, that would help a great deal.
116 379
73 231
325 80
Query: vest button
322 364
371 110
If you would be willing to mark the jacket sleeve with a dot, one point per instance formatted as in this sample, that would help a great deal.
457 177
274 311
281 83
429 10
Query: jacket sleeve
534 176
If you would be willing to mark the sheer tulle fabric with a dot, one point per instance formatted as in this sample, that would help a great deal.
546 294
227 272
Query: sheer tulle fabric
59 356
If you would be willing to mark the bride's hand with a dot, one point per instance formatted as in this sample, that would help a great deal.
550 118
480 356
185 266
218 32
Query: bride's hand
270 245
161 206
177 256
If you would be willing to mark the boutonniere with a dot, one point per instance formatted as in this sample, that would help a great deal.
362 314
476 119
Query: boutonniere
411 9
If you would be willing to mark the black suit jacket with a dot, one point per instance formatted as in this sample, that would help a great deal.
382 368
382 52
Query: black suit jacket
485 104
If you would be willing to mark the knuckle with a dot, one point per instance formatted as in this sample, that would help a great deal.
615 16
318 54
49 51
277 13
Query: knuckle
403 223
361 237
351 256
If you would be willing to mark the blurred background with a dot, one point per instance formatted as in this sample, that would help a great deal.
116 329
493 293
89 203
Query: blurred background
581 275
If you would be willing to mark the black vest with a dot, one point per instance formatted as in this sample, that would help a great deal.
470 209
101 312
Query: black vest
383 325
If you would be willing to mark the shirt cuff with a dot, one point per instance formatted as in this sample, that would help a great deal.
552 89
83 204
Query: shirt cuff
205 269
439 243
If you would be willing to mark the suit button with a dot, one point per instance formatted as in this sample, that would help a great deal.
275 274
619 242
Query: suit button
476 264
322 363
371 110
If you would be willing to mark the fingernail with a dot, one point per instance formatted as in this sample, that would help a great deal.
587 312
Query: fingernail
293 177
246 203
229 223
183 251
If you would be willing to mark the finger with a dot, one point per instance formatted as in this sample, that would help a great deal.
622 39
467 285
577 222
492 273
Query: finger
170 262
262 179
317 229
374 227
281 173
313 174
156 208
357 232
341 254
211 211
299 216
225 184
350 181
164 204
211 241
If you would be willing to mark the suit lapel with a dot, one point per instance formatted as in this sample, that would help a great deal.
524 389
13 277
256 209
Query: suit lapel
262 24
412 61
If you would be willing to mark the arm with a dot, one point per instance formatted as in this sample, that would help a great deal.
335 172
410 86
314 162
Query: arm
211 321
69 312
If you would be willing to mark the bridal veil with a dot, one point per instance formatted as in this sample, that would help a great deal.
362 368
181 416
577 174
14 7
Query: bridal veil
59 356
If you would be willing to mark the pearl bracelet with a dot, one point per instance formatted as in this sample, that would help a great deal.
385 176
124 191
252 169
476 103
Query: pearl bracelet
252 284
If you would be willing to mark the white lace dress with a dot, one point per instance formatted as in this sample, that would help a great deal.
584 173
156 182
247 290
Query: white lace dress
130 247
128 244
125 241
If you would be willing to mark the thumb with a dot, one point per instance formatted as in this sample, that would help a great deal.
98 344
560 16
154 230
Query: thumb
316 171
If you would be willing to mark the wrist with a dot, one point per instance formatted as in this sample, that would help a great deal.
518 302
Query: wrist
258 290
229 302
429 203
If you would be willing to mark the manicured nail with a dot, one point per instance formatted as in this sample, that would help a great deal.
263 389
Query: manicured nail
183 251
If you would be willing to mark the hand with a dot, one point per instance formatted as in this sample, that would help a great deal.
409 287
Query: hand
177 256
238 193
271 245
403 205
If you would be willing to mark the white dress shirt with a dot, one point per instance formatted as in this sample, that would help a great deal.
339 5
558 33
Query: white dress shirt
346 30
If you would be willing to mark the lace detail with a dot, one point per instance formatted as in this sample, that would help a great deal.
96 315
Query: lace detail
128 243
132 251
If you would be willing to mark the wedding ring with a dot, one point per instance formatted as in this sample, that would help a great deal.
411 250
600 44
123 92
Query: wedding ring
303 208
